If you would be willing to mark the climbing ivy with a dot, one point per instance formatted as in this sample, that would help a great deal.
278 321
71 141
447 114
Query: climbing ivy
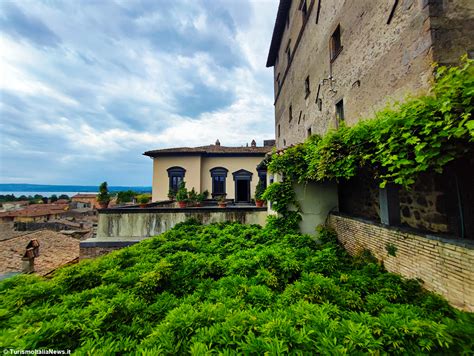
283 201
402 141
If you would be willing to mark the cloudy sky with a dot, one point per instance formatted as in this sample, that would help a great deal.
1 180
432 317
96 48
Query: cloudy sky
87 86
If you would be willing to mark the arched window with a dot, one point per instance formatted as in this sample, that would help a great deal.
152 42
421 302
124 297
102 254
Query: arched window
218 176
176 176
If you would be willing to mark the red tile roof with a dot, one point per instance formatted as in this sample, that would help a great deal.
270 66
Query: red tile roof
79 195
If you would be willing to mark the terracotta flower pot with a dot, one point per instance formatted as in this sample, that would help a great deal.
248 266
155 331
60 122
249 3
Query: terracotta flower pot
222 204
182 204
259 203
143 205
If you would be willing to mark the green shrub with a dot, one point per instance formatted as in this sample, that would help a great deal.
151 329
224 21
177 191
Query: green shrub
232 289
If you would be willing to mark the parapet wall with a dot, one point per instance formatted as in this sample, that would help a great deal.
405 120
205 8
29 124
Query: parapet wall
121 227
444 266
150 222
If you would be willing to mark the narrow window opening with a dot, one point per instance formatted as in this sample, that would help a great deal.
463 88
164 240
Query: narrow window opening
278 80
307 87
304 9
299 118
320 104
290 113
308 132
279 131
392 12
340 111
318 11
335 44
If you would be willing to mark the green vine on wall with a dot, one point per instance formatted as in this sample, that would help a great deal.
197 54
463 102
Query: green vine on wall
422 134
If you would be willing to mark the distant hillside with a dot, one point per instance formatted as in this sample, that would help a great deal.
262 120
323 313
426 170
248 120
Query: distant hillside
64 188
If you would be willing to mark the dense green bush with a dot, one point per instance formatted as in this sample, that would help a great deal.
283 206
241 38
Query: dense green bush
229 288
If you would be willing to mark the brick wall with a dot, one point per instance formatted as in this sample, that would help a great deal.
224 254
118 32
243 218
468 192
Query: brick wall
445 266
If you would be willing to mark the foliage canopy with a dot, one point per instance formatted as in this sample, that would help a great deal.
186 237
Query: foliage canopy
229 288
422 134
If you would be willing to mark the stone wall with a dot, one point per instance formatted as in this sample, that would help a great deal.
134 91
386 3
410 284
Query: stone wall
359 196
444 266
379 62
54 226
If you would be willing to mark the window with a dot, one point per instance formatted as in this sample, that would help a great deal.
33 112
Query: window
288 20
336 43
218 176
290 113
279 131
318 11
176 176
320 104
288 53
308 132
262 177
307 88
340 111
304 9
278 80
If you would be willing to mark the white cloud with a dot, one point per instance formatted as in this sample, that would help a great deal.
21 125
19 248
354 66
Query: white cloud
119 81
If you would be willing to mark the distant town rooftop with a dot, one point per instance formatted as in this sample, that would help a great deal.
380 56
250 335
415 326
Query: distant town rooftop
79 195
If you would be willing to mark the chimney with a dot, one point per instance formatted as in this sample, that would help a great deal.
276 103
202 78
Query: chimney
218 143
253 144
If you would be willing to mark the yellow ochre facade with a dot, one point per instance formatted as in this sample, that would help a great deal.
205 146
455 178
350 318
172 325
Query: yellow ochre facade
197 163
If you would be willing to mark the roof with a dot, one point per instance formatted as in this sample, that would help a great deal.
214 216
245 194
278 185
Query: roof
84 196
278 30
37 210
211 149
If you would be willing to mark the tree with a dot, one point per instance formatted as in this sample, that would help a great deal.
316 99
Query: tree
126 196
103 197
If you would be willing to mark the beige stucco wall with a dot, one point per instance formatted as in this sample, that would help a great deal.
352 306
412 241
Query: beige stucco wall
198 174
316 201
232 164
192 165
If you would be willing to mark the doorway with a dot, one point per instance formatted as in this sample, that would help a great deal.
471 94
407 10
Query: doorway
242 191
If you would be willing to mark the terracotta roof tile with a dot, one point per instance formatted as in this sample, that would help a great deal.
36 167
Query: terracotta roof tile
215 149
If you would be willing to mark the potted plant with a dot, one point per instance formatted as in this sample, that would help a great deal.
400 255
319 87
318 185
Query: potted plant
182 195
259 190
103 198
201 197
171 194
143 200
222 201
193 197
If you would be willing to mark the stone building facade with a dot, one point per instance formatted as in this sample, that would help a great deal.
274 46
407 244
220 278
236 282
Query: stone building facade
343 60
